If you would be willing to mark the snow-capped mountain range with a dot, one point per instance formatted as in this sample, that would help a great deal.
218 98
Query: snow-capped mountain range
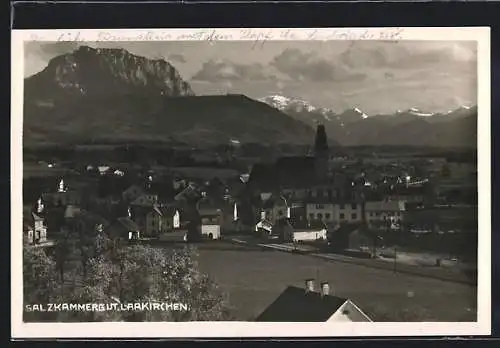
288 104
355 127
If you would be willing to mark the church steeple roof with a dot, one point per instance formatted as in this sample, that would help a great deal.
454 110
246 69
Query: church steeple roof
320 143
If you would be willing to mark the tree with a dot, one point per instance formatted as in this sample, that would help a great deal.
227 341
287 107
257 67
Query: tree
130 274
143 273
40 284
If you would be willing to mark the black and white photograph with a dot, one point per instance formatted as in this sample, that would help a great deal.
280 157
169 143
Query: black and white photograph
259 177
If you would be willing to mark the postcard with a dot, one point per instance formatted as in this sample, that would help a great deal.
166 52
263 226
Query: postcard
251 182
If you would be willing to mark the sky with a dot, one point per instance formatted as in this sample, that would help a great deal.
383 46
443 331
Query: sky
375 76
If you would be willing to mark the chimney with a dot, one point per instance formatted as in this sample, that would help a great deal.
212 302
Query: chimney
325 289
309 285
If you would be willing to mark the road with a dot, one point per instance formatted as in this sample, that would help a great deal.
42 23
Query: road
254 276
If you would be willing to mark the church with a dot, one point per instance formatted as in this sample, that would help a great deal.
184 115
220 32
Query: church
302 177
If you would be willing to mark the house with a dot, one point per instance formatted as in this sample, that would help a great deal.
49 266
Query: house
264 227
310 305
211 216
291 230
103 170
63 196
274 207
348 212
190 193
385 211
161 219
146 200
132 193
352 237
322 210
124 228
35 229
87 222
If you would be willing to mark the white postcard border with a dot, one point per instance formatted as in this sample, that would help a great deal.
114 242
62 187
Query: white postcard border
254 329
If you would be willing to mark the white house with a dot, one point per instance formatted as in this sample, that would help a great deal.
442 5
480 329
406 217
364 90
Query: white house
352 212
309 235
386 210
321 211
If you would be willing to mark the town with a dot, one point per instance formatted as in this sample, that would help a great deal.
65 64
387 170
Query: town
397 211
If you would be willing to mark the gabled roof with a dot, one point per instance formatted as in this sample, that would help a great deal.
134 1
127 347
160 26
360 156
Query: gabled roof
168 210
128 224
36 217
207 207
307 225
91 218
296 305
148 201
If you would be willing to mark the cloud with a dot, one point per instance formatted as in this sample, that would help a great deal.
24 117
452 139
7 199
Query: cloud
177 58
409 55
302 66
224 70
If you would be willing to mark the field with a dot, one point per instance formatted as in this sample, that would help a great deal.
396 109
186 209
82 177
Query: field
253 278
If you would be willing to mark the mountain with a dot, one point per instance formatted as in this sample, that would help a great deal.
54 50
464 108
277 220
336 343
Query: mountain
112 95
188 119
313 115
416 128
89 72
411 127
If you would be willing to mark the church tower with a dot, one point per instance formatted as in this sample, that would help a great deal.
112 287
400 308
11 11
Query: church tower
321 153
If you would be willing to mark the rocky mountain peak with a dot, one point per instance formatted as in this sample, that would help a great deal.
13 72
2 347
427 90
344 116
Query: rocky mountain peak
105 71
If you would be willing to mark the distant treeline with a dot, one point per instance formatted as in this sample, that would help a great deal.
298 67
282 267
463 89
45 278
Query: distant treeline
451 154
158 152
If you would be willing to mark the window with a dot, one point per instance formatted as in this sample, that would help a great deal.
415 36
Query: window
311 216
371 213
319 216
280 212
320 193
354 206
354 216
320 206
327 216
342 216
341 207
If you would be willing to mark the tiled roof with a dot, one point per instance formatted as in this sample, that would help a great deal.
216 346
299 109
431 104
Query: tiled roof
297 305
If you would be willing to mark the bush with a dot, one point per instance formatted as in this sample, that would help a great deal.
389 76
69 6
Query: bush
107 272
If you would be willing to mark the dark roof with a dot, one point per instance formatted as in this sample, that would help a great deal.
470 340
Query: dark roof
89 217
36 217
274 200
286 172
208 207
168 210
296 305
307 225
128 224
